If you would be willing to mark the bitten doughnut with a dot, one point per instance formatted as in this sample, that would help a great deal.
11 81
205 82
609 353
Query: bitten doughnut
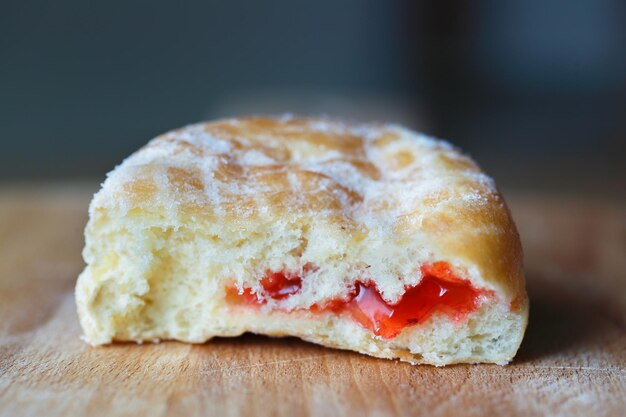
367 237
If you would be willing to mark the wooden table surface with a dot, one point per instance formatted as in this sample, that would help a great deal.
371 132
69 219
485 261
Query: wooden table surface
571 363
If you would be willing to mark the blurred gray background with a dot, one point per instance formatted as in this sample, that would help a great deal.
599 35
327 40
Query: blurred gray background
534 90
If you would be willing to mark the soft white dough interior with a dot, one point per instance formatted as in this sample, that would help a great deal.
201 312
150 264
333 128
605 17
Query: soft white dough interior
151 275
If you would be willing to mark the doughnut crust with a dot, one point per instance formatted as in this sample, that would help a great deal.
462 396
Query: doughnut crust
281 226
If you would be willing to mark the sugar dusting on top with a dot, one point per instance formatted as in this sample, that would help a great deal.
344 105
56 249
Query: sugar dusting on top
375 173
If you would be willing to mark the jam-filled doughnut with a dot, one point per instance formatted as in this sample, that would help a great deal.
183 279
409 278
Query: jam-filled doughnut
367 237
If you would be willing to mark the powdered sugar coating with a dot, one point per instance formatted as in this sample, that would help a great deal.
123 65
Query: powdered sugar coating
376 173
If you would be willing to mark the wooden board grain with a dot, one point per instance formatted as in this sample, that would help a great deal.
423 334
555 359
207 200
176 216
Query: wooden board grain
572 362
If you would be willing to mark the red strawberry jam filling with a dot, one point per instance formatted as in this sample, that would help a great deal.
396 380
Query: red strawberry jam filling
440 290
